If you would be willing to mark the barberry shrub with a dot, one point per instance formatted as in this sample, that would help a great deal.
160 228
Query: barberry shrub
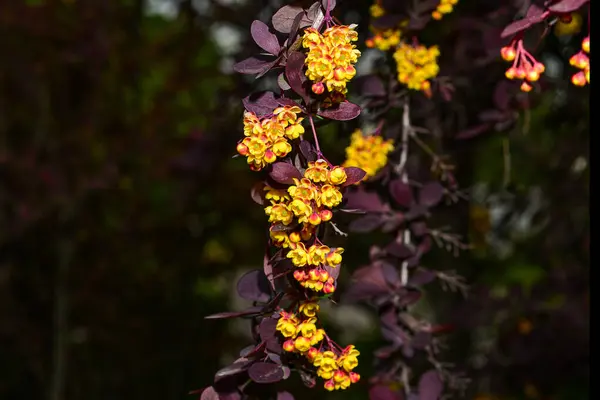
384 178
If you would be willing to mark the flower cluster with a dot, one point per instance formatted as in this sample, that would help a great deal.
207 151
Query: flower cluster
416 65
385 39
307 204
582 61
369 153
331 58
525 67
268 138
334 364
445 7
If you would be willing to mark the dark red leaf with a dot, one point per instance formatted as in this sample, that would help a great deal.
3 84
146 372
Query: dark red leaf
419 228
262 372
400 250
334 272
308 151
267 328
380 392
294 72
474 131
283 19
430 386
254 286
284 396
567 6
282 83
235 314
233 369
535 14
416 211
209 394
257 193
254 65
265 39
365 224
326 3
363 200
353 175
261 103
390 274
517 26
431 194
401 192
283 172
309 380
421 277
345 111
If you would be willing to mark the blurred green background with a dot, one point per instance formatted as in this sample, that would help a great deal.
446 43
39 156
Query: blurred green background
124 219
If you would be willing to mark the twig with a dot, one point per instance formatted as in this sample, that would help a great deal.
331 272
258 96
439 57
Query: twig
406 131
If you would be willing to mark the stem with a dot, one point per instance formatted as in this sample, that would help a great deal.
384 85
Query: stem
406 130
314 131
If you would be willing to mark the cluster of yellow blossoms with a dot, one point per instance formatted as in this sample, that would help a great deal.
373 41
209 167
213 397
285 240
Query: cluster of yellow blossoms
334 364
369 153
331 58
416 65
445 7
307 203
525 67
384 39
267 138
582 61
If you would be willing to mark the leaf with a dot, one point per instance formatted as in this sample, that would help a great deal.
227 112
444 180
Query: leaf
265 39
282 83
254 286
431 194
370 86
345 111
400 250
380 392
262 372
387 21
285 396
254 65
328 3
267 328
295 74
235 314
233 369
430 386
401 193
354 175
283 172
209 394
257 193
517 26
283 19
567 6
308 151
473 131
366 223
362 200
261 103
535 14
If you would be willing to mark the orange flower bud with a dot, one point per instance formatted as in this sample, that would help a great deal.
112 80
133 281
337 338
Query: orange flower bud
354 377
579 79
520 73
526 87
539 67
299 275
326 215
533 76
314 219
295 237
318 88
329 385
242 149
511 73
312 353
508 53
270 157
328 288
436 15
585 45
288 345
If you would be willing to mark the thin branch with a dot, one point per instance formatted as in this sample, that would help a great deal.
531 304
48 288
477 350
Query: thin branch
406 131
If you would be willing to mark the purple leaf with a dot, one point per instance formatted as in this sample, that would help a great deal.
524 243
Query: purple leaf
430 386
257 193
390 274
309 380
328 3
370 86
416 211
363 200
567 6
365 224
354 175
345 111
474 131
235 314
283 172
517 26
380 392
261 103
535 14
334 272
233 369
262 372
431 194
308 151
254 286
400 250
294 72
401 193
254 65
419 228
209 394
421 277
284 396
267 328
283 19
265 39
282 83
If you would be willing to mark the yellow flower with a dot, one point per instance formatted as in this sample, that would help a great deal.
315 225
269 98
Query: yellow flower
369 153
416 65
330 196
309 308
334 258
302 344
298 255
376 11
337 176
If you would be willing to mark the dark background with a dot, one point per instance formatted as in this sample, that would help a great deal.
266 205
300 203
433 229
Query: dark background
124 219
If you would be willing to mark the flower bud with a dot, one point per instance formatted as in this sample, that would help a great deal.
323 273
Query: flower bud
242 149
508 53
354 377
526 87
585 45
318 88
326 215
288 345
579 79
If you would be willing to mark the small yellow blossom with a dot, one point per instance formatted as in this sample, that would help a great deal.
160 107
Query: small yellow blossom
370 153
416 65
